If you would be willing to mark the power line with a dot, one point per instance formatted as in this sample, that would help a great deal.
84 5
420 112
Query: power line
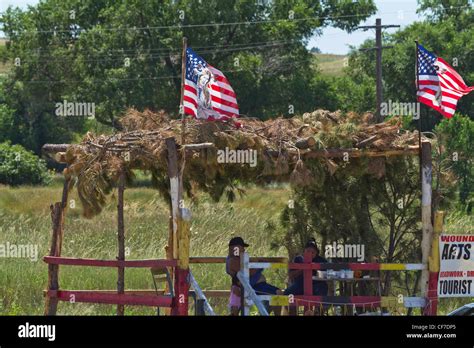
96 30
169 52
194 47
181 26
68 10
293 63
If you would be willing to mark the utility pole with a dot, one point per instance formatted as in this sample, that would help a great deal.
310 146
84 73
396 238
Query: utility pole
378 63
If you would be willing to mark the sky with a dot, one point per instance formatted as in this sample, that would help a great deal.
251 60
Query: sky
335 41
397 12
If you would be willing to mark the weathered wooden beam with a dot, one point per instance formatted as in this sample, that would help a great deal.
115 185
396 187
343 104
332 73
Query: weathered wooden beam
71 261
342 153
184 226
202 146
57 217
54 148
426 225
140 292
93 296
365 142
434 266
121 242
182 282
175 193
305 143
51 304
355 153
303 150
222 259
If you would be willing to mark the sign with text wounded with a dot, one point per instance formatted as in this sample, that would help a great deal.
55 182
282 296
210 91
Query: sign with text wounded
456 276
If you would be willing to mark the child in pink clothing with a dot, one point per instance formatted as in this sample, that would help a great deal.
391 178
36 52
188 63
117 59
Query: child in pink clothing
232 266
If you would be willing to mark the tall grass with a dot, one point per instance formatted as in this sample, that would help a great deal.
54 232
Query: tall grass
25 219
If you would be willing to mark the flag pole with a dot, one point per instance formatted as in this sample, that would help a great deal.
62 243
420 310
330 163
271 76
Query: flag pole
419 116
417 88
183 77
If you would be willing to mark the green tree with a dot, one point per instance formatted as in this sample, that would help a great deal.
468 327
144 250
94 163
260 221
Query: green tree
127 54
447 31
19 167
457 140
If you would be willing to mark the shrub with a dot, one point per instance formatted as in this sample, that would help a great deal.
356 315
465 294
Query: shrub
19 166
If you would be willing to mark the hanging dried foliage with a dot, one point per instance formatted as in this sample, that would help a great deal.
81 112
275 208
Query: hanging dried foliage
281 147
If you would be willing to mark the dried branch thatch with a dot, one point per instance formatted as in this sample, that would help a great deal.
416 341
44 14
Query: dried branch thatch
280 144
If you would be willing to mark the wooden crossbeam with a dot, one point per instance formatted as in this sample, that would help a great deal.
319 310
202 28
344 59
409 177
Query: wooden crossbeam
410 150
152 292
359 266
355 153
72 261
92 296
221 259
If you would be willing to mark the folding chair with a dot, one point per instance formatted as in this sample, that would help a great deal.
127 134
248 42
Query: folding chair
161 275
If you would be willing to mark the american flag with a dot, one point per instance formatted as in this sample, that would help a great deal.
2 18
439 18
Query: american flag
439 85
207 92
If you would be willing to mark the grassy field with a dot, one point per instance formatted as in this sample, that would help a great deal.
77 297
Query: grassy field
330 64
25 219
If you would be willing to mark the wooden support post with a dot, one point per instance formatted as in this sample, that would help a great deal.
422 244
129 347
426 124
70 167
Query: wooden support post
427 227
57 217
121 242
184 227
175 191
248 294
244 296
182 272
181 218
307 279
201 302
176 198
431 307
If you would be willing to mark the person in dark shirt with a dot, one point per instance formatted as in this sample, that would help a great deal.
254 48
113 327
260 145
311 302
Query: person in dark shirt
320 288
256 278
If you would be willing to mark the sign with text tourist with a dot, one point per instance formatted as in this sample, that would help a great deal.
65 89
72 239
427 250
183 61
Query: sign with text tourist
456 274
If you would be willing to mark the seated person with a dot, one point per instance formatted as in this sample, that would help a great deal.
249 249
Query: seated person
256 278
320 288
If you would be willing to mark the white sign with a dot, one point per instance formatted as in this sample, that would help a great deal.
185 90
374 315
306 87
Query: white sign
456 276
